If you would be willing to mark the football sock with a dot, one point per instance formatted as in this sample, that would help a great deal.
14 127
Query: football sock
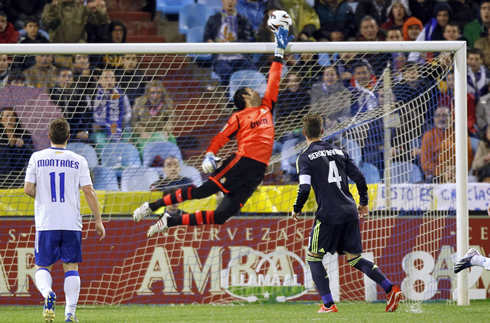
481 261
320 277
44 281
198 218
189 193
72 291
372 271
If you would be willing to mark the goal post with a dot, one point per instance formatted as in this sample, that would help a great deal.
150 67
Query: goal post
252 266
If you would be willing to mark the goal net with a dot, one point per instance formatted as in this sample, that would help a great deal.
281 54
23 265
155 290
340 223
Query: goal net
143 115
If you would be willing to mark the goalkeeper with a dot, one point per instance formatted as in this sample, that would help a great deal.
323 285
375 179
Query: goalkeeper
242 172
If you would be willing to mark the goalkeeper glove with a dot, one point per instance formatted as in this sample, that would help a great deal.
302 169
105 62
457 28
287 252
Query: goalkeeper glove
282 40
210 163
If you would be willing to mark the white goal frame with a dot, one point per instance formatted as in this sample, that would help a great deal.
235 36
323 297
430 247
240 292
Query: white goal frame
458 47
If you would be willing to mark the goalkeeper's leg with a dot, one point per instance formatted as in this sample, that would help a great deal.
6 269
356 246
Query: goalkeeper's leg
190 193
228 207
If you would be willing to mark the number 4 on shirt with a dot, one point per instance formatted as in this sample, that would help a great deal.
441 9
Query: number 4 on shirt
333 173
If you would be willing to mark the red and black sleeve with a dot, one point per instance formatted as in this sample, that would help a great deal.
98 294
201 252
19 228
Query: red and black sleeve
270 97
229 131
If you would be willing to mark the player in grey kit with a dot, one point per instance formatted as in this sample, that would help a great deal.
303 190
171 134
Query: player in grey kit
327 168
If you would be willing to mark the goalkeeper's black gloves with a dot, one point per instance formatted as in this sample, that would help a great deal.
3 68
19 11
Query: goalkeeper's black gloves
282 41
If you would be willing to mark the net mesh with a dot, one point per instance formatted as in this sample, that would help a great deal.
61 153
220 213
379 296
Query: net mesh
130 114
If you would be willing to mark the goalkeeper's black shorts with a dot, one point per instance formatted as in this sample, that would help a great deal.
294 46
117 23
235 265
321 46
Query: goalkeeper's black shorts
331 238
239 177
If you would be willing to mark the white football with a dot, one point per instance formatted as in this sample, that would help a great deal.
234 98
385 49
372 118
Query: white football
279 18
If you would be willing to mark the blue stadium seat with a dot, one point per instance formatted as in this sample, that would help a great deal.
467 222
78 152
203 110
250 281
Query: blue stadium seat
405 172
195 35
128 154
474 144
353 149
138 178
215 4
194 15
86 151
248 78
172 6
162 149
371 173
105 179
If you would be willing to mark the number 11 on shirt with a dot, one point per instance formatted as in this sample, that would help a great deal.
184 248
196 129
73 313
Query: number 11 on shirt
53 186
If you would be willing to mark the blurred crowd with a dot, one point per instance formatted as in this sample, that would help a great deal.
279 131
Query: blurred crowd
108 98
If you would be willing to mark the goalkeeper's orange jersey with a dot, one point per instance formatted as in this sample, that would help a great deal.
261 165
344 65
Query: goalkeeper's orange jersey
253 126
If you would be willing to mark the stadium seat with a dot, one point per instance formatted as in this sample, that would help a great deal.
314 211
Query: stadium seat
215 4
248 78
195 35
105 179
474 144
194 15
138 178
371 173
191 173
86 151
404 172
353 150
172 7
124 153
162 149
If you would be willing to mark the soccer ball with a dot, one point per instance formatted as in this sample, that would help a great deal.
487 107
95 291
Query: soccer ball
279 18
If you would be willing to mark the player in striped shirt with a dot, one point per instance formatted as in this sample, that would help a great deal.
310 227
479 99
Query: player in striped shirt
327 169
242 172
54 177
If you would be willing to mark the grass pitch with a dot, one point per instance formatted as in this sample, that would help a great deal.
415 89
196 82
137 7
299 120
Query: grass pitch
478 311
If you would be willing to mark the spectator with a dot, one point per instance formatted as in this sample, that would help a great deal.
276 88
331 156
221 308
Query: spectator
452 31
171 178
337 21
446 168
413 85
398 59
152 118
131 79
111 111
370 32
19 10
229 26
308 66
17 79
4 70
483 44
345 65
464 11
8 34
83 74
483 112
422 10
70 21
373 8
412 28
443 14
97 33
43 74
253 10
437 150
330 99
363 99
117 34
16 149
446 99
478 75
293 101
73 106
398 12
474 30
481 163
305 19
33 36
